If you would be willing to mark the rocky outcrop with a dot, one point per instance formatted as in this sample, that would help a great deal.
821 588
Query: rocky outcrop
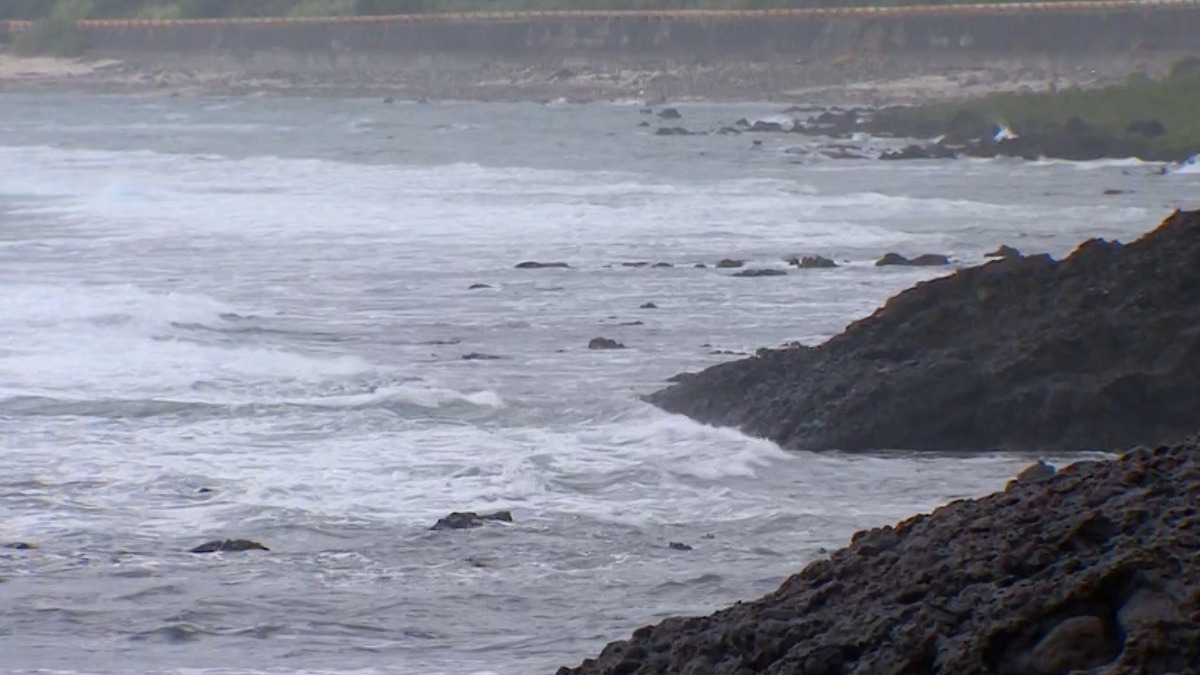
761 272
604 343
1004 251
229 546
465 520
934 151
729 263
1093 569
923 260
1099 349
812 262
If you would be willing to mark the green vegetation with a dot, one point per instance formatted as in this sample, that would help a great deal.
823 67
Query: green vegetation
193 9
1172 101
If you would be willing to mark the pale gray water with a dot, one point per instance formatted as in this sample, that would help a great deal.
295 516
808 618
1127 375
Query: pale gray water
268 298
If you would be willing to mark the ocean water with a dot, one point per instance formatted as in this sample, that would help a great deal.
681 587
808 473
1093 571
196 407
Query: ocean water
246 318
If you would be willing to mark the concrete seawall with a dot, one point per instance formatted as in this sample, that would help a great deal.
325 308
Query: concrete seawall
1047 28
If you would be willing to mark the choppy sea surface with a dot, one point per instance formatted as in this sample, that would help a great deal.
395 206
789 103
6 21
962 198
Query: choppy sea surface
247 318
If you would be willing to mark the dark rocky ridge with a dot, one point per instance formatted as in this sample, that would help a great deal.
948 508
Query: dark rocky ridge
1092 569
1098 350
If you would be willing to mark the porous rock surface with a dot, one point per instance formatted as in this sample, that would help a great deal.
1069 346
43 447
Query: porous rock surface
1095 569
1099 350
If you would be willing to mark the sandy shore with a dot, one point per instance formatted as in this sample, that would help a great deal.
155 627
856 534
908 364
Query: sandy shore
867 80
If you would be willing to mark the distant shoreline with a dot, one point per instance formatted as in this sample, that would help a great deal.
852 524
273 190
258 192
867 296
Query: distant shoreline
859 80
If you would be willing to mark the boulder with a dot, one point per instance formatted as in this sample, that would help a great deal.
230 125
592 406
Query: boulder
480 356
678 546
673 131
604 343
1099 348
20 546
728 263
662 265
763 126
1093 570
532 265
648 305
1004 252
462 520
229 546
477 287
1033 473
670 114
812 262
634 264
762 272
923 260
920 152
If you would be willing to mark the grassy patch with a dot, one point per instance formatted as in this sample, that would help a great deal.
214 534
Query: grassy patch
1174 101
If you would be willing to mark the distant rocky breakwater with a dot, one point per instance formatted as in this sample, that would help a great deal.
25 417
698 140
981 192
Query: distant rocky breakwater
1090 569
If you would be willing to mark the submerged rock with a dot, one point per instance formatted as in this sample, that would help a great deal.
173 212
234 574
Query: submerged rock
229 546
648 305
477 287
728 263
1094 568
20 546
604 343
812 262
670 114
763 272
533 265
480 356
923 260
679 546
462 520
1100 348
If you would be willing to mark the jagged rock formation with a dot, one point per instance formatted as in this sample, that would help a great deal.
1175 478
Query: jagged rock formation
1098 350
1094 569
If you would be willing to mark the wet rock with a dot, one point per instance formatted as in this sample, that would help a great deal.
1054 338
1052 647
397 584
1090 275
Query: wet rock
476 287
924 260
648 305
643 124
631 323
1005 252
764 126
480 356
812 262
700 266
727 131
919 152
1023 582
389 100
673 131
670 114
205 491
532 265
679 546
634 264
1109 192
1032 474
662 265
728 263
761 272
20 546
463 520
1097 349
229 546
604 343
646 111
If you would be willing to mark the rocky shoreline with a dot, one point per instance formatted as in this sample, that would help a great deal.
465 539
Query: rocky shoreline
1090 569
1098 350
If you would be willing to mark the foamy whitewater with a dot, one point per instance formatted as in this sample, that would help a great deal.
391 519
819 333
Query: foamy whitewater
247 318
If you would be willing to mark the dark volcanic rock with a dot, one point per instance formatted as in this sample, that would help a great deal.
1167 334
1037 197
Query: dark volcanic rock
462 520
920 152
679 546
1004 251
727 263
1095 567
812 262
648 305
604 343
531 265
763 272
480 356
1101 348
924 260
229 546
